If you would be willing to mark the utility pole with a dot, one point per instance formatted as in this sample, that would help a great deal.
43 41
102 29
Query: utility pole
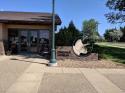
53 51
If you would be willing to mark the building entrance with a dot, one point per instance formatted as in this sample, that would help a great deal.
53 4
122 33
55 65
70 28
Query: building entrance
32 41
29 41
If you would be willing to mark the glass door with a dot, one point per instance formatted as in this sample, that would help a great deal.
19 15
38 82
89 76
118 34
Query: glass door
43 42
13 40
24 44
33 41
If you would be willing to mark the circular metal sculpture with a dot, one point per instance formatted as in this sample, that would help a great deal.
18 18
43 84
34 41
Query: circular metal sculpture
82 47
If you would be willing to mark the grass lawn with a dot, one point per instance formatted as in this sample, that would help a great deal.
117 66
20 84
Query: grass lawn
112 51
120 45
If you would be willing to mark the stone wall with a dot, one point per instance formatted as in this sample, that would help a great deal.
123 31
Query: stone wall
66 52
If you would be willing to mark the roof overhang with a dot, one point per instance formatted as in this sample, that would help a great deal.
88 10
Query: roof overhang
34 18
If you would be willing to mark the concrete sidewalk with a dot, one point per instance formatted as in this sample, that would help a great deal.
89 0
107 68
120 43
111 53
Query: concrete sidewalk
31 75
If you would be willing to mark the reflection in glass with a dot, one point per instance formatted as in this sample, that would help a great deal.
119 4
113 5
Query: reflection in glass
28 40
24 40
33 41
44 42
13 41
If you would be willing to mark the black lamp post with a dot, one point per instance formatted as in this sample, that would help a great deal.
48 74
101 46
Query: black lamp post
53 52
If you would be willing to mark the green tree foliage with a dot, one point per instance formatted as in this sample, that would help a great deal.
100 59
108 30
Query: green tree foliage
61 36
67 35
118 8
73 33
90 29
112 35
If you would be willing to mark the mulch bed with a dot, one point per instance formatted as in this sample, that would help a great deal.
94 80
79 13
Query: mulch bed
89 64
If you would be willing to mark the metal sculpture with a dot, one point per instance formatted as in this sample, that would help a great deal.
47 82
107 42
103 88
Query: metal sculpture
81 46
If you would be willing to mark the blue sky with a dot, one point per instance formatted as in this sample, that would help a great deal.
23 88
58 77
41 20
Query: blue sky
76 10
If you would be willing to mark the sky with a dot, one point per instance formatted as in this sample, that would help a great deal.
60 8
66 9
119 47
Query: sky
75 10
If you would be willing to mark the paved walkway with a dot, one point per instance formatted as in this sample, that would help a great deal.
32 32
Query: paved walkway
28 74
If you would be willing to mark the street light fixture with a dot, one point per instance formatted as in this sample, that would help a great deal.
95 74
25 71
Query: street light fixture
53 52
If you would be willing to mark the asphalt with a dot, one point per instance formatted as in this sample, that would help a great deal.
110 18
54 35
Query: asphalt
29 74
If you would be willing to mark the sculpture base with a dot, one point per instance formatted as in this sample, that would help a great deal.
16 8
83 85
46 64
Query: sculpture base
66 52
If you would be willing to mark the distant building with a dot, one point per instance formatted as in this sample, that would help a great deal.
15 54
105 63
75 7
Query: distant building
25 31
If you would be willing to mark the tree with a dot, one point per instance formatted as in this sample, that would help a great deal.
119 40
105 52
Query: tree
61 36
90 28
107 35
118 14
67 35
113 35
72 33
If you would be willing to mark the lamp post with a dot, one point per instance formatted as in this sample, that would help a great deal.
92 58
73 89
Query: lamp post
53 52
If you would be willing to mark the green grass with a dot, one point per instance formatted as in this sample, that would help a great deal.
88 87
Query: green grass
120 45
116 54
